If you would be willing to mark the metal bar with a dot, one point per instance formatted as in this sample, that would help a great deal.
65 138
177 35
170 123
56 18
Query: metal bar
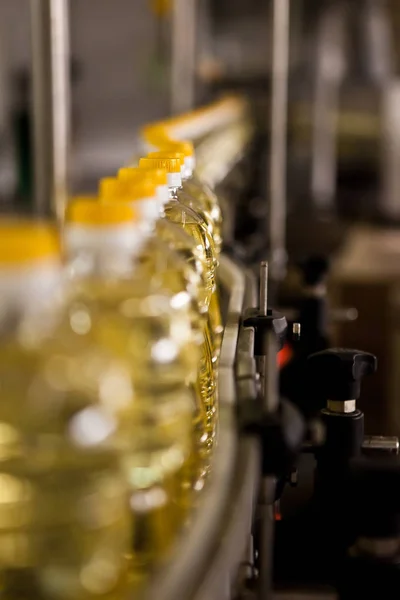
330 72
263 307
231 277
183 57
389 199
232 545
279 116
264 288
378 47
271 381
51 103
266 534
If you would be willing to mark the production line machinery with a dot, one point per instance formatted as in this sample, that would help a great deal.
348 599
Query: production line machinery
302 501
293 467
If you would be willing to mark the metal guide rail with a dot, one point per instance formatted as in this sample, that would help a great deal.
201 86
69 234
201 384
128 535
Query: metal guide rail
207 559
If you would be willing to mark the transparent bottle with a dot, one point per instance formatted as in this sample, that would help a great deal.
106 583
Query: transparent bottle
181 209
111 188
184 216
194 254
64 504
195 192
161 266
152 334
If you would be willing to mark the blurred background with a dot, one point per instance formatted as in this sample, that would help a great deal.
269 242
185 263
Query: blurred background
120 71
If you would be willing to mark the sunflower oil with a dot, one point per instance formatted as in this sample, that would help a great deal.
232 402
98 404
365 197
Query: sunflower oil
198 195
180 210
161 266
64 505
143 326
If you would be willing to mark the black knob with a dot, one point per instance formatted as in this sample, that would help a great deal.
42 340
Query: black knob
337 372
262 324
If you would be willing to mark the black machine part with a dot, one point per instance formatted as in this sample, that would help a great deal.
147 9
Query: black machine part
371 568
262 324
374 490
314 270
281 434
337 373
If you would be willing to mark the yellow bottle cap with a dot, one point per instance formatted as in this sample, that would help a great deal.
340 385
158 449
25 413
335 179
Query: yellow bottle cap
171 165
155 132
24 241
111 188
168 154
98 214
141 188
128 174
185 148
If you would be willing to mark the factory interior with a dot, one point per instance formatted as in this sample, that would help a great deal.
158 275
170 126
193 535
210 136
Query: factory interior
199 213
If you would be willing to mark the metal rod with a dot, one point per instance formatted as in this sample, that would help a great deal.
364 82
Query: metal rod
51 103
271 375
264 288
330 72
266 533
263 360
279 116
183 57
378 47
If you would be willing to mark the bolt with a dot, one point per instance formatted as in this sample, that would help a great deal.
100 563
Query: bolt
296 331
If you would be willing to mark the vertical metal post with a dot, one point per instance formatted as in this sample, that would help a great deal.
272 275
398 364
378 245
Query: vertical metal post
183 55
378 47
264 288
269 381
331 66
269 370
51 103
279 116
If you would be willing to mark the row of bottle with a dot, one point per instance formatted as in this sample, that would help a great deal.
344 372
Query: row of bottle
108 371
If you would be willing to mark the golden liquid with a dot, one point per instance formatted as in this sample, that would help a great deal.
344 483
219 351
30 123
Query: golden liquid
202 199
181 239
216 325
99 390
191 223
195 226
181 242
64 512
163 269
156 424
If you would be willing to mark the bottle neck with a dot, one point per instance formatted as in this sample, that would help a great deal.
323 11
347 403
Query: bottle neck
174 180
103 250
162 196
27 287
149 209
188 168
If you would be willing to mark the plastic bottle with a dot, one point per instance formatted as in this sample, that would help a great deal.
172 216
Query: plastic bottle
198 195
64 510
111 188
146 329
182 209
163 267
201 197
184 216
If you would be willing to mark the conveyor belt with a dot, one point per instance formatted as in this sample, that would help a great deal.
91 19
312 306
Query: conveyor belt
205 564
